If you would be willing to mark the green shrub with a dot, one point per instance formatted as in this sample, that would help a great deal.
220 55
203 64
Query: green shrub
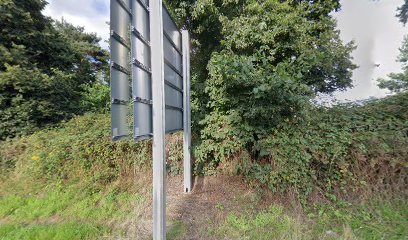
31 99
82 149
96 97
271 61
337 150
57 231
79 149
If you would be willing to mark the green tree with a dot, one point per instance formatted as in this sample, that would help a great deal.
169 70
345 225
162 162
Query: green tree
90 66
258 63
46 67
397 82
87 58
29 39
402 12
203 18
31 99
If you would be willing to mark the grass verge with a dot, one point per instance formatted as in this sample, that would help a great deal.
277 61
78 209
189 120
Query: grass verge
61 231
70 212
372 220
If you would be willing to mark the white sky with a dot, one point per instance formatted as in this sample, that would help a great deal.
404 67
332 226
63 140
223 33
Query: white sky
378 34
370 23
91 14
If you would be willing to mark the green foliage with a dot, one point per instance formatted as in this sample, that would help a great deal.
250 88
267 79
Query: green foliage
57 231
28 38
261 46
313 149
223 137
87 59
283 37
375 219
45 68
325 151
402 12
78 149
270 224
257 64
31 99
82 150
174 154
305 156
329 151
96 97
398 82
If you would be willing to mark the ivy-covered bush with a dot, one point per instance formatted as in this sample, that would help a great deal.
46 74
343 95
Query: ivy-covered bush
274 57
337 150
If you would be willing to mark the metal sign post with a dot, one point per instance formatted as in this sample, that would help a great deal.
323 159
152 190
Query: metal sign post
148 45
187 113
159 163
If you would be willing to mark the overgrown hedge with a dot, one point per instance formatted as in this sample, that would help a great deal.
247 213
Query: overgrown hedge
331 151
80 149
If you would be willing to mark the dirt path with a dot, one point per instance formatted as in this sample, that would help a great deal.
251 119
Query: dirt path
191 216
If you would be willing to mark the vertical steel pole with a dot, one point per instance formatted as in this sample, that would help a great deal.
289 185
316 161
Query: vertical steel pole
186 112
159 163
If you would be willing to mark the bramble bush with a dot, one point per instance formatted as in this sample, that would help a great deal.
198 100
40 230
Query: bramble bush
256 66
255 105
336 150
80 149
269 65
331 151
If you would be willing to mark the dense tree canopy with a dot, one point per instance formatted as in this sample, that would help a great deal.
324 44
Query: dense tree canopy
258 63
255 65
45 67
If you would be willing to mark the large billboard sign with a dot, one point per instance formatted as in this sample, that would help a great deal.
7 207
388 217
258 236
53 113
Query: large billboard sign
150 77
131 59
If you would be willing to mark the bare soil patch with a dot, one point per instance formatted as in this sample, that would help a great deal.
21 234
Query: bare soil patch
210 201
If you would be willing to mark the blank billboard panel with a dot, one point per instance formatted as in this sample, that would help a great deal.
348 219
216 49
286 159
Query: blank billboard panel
120 69
170 29
173 97
141 71
172 77
131 58
174 120
172 56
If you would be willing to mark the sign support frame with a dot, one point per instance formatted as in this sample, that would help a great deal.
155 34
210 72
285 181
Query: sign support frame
187 111
148 47
159 162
